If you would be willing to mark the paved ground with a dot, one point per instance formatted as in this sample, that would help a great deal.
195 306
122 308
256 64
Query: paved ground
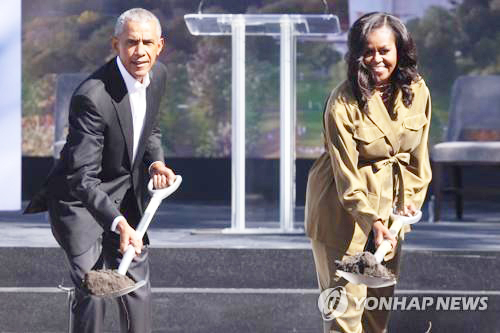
200 225
195 226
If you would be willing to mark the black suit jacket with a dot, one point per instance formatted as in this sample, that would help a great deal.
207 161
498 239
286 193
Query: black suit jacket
96 179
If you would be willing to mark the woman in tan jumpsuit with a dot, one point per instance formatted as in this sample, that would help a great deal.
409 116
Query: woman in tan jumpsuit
376 127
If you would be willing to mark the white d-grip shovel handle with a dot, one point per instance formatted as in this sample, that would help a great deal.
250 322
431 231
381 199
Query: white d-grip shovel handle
156 198
397 223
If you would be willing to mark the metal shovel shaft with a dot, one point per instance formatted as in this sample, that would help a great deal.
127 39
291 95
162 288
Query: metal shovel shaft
397 223
142 227
129 255
386 245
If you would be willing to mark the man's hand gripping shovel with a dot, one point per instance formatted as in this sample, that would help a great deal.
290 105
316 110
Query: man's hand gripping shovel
115 283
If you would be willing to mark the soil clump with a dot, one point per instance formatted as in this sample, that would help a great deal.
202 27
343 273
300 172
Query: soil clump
105 282
364 263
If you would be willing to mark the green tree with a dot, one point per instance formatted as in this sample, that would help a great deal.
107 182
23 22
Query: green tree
462 41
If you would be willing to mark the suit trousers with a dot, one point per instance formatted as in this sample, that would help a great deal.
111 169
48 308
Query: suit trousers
355 319
89 311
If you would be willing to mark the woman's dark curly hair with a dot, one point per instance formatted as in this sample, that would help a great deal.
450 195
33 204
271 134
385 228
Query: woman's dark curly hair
360 78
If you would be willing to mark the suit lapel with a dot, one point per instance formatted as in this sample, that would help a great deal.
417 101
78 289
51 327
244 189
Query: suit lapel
125 117
120 99
382 119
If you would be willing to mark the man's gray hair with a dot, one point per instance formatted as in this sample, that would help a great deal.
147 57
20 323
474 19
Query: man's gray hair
139 15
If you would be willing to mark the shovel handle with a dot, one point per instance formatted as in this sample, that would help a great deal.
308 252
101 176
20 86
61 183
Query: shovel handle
127 258
397 223
154 203
165 192
386 245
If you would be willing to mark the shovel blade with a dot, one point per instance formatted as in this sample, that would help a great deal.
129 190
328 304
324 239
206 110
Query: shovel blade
124 291
369 281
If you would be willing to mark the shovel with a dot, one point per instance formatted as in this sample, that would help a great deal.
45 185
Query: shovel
398 221
112 284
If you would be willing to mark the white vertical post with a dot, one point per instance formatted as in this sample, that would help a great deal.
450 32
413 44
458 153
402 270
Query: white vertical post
287 123
218 25
10 105
238 125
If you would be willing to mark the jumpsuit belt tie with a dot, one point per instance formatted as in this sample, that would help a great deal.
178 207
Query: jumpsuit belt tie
398 160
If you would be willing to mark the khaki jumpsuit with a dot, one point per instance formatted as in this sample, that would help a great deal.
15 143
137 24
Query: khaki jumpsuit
368 158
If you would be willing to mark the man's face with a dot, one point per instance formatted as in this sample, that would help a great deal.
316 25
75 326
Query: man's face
138 47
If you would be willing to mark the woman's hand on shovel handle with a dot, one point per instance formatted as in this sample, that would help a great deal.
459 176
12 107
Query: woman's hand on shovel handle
128 236
408 210
162 175
381 232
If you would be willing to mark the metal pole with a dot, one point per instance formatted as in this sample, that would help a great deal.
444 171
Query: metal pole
238 125
287 123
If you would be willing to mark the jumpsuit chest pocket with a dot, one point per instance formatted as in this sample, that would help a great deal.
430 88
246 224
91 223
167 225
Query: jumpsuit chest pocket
370 142
412 131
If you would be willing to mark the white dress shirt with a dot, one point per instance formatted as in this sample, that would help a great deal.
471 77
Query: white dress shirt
137 95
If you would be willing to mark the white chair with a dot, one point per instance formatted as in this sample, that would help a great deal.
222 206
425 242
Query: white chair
472 137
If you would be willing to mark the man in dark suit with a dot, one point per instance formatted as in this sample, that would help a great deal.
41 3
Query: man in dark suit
96 193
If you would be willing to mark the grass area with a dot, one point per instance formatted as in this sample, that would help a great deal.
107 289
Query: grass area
313 122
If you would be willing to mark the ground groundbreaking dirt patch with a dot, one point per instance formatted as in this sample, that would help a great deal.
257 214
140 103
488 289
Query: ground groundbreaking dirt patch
364 263
104 282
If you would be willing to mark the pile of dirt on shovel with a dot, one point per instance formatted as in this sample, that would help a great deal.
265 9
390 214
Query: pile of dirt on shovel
364 263
104 282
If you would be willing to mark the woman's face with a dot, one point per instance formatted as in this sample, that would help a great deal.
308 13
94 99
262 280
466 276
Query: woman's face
381 55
